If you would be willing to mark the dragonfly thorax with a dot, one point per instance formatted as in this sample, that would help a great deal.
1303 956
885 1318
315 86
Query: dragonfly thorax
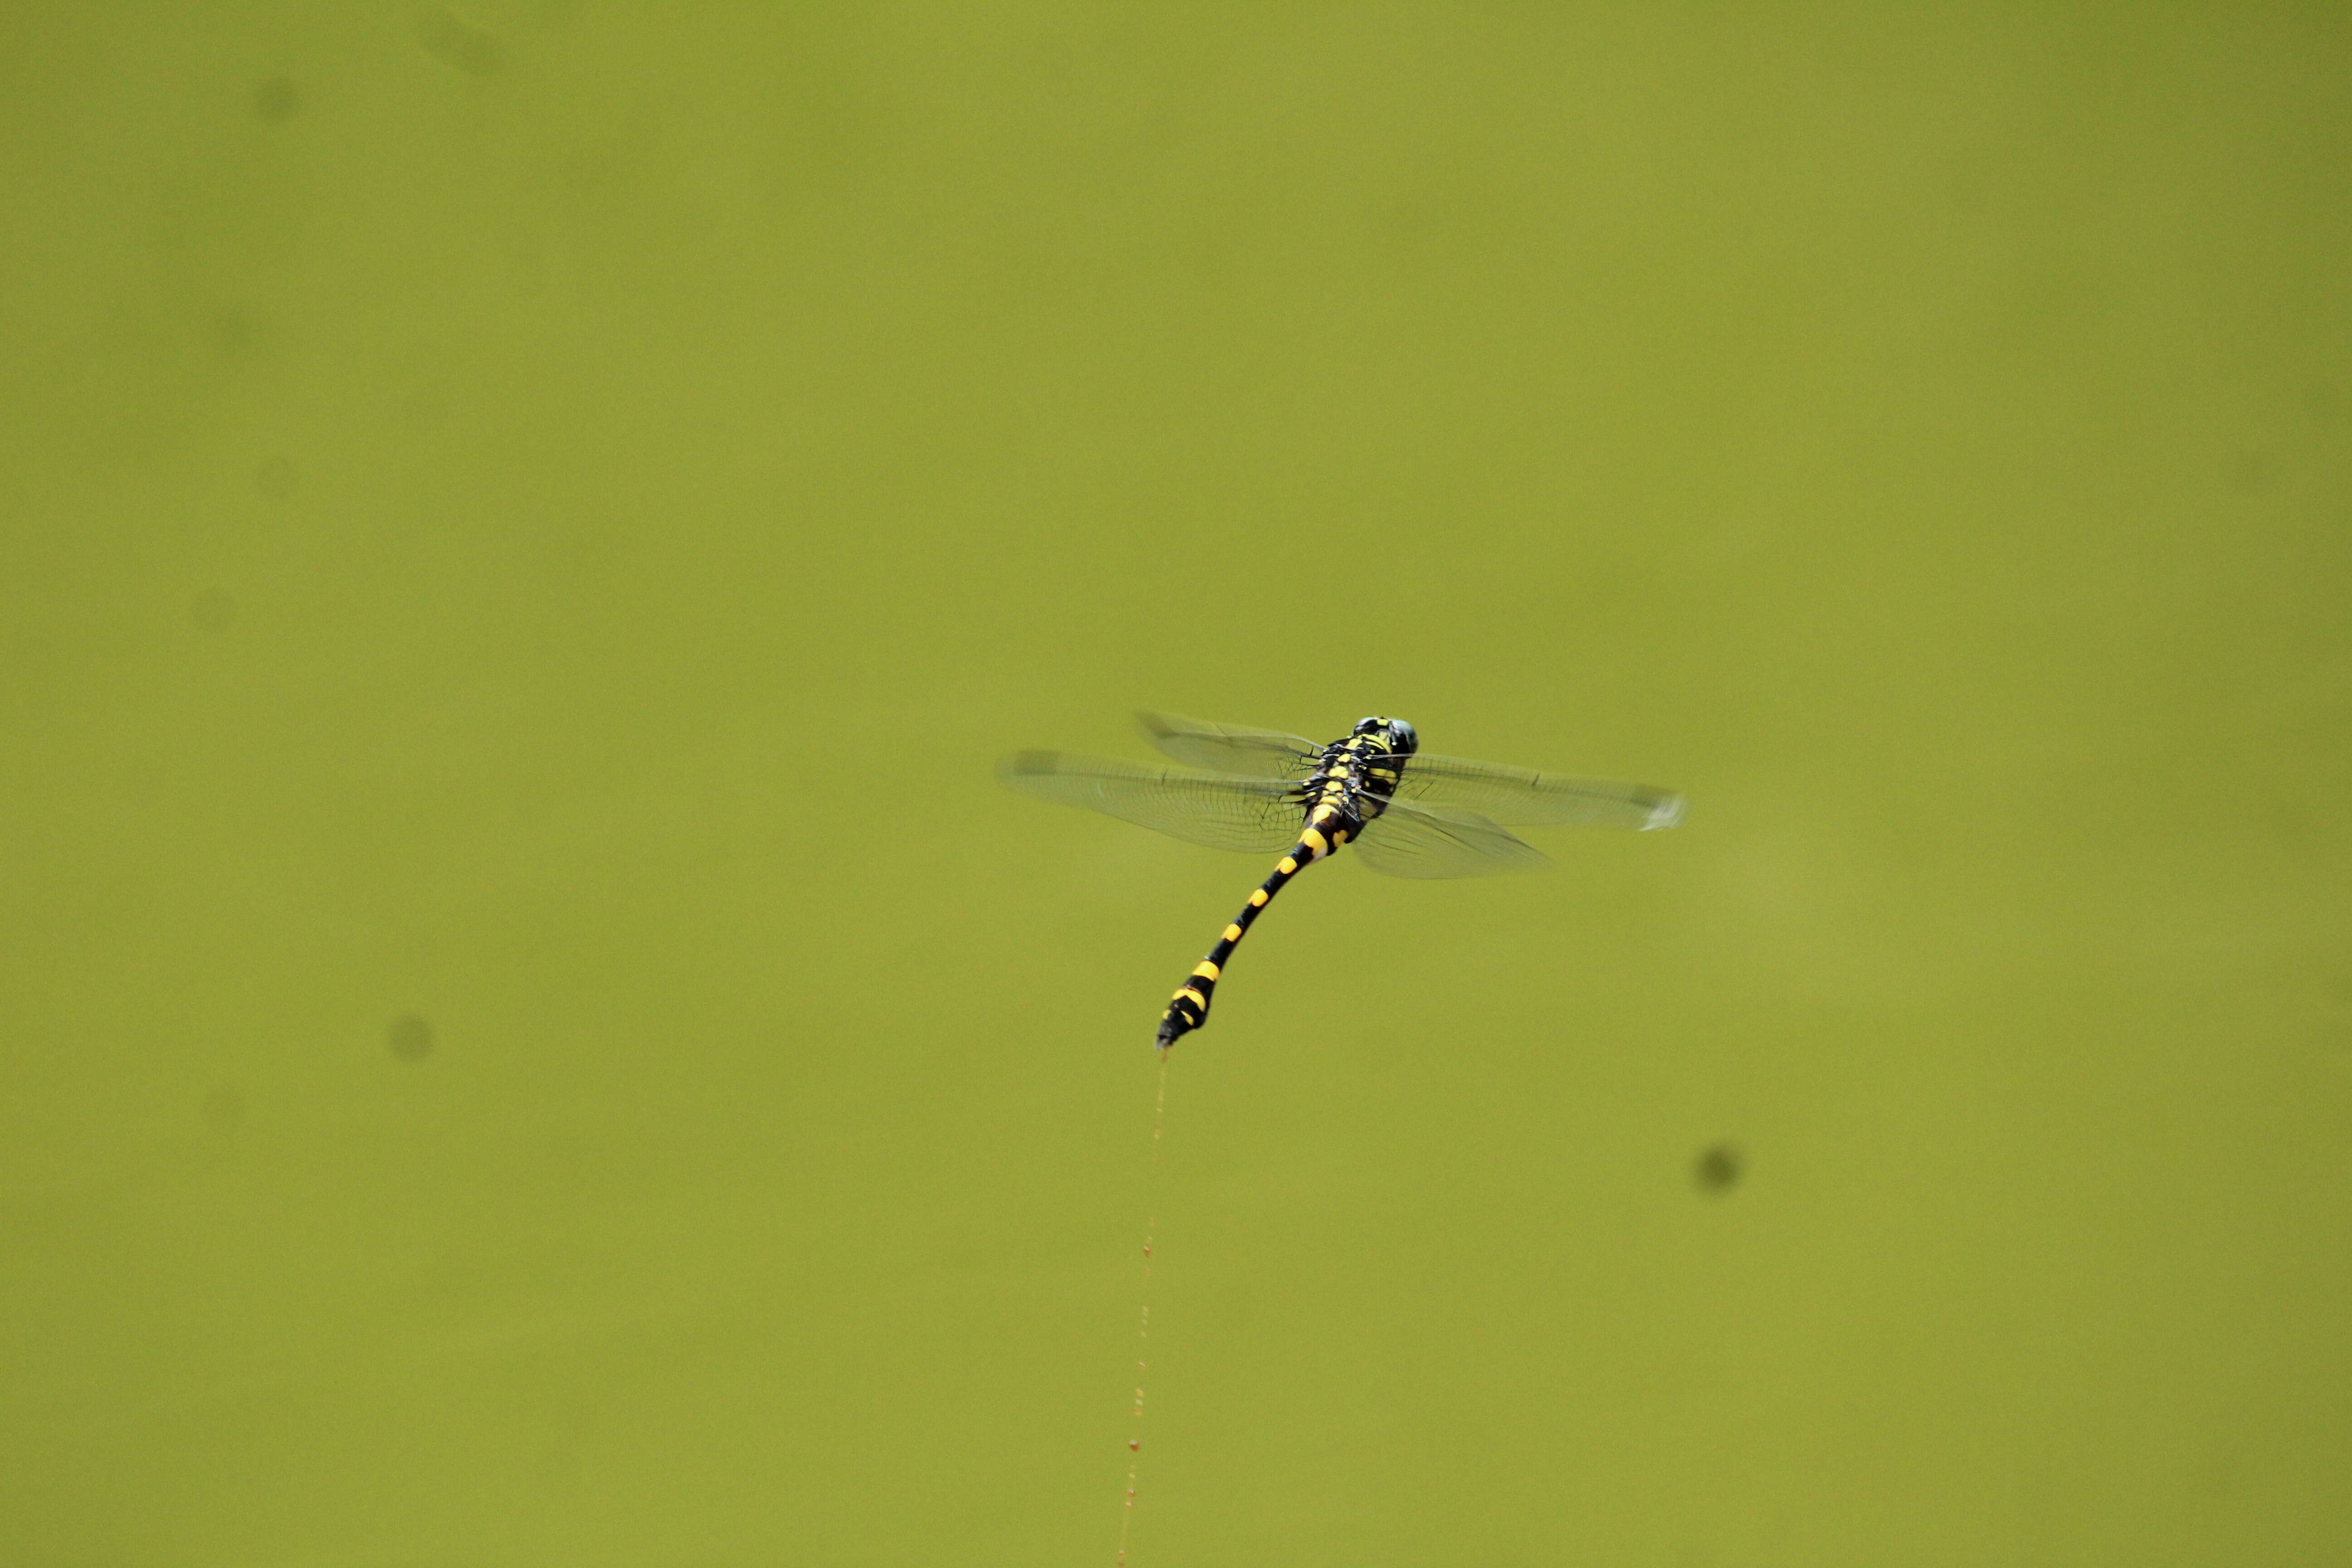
1355 778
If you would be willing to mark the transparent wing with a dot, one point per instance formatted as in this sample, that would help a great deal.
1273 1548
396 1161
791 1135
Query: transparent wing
1229 748
1522 796
1416 841
1261 816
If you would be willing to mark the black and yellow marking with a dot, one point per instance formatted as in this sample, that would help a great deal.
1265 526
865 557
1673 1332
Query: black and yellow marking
1352 783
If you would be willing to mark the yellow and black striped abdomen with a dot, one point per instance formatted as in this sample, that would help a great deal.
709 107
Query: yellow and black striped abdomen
1352 785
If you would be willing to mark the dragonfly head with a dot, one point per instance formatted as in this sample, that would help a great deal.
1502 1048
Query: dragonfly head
1395 733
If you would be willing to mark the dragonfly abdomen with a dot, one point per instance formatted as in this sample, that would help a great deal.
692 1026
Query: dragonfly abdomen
1189 1008
1330 823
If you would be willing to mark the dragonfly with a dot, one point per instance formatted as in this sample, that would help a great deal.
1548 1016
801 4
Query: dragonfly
1407 812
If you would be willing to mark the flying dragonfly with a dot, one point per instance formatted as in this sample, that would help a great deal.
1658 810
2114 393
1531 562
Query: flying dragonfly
1408 814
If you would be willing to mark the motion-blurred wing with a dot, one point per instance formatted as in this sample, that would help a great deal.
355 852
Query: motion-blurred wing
1521 797
1260 815
1229 748
1417 841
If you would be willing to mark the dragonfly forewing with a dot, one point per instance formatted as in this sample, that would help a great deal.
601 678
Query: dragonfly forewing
1524 797
1229 748
1261 816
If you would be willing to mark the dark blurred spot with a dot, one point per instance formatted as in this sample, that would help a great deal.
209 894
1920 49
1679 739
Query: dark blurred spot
235 331
277 478
411 1038
456 42
1717 1168
2322 401
224 1109
560 1456
425 406
2294 822
277 99
214 610
2251 473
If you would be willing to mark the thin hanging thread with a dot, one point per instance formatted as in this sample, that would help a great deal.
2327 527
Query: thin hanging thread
1143 1333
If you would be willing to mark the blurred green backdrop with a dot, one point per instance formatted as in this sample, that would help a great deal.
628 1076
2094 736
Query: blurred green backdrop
527 1034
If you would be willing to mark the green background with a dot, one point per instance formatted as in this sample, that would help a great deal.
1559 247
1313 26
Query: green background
528 1034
